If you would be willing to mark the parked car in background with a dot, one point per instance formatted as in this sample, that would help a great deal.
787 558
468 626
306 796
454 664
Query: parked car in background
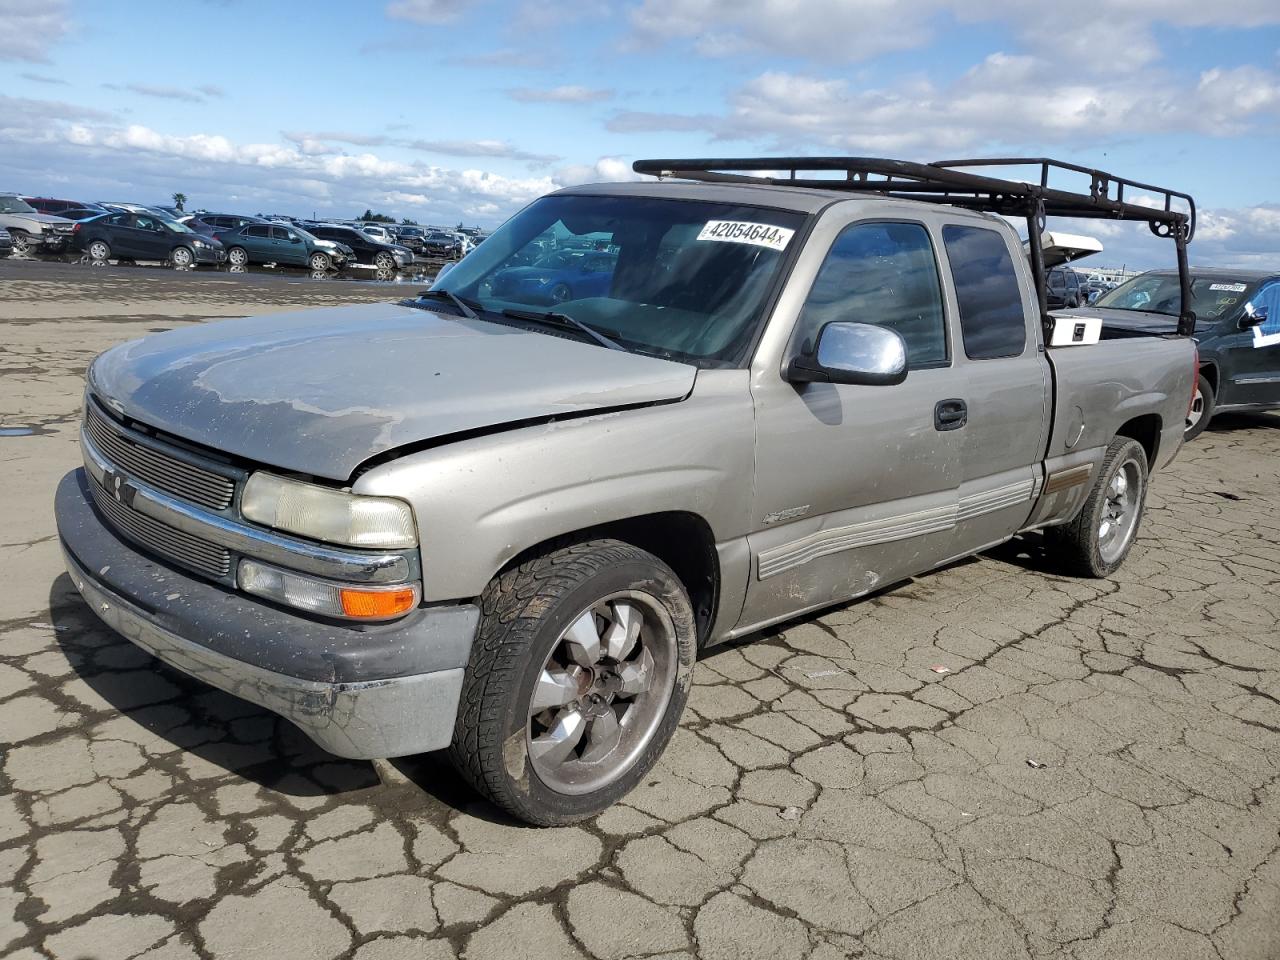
67 209
145 236
276 243
367 250
6 243
1237 326
378 232
1063 288
31 231
438 243
557 278
210 224
411 237
119 206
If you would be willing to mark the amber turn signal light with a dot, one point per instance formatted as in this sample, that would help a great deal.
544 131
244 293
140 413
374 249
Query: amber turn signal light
377 604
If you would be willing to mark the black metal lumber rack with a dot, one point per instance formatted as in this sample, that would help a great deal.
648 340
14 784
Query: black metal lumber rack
951 182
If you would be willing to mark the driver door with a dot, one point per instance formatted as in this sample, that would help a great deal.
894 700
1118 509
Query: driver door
1254 366
857 486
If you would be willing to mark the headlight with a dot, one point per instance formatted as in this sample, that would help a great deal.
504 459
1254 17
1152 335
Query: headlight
328 515
198 243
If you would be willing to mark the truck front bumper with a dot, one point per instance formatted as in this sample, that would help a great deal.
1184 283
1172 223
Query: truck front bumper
360 692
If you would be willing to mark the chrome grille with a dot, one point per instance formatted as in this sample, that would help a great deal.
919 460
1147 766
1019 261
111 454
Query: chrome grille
161 470
200 555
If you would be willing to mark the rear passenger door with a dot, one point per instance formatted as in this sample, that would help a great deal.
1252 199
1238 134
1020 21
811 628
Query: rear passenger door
856 485
1004 380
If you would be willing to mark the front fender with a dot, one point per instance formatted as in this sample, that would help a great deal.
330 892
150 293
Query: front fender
482 501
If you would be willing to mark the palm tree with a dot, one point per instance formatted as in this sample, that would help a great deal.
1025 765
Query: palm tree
179 199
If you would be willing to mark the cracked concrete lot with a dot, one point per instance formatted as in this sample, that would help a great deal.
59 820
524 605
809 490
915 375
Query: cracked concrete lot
856 784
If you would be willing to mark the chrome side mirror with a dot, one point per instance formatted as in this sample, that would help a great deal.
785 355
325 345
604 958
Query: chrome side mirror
848 352
1253 316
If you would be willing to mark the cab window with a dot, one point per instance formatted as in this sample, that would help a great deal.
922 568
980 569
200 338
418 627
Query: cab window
992 323
885 274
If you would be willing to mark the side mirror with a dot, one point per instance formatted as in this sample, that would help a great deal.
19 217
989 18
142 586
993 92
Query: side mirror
849 352
1253 316
295 239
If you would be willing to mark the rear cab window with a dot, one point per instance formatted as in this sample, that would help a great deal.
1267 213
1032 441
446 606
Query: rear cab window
992 322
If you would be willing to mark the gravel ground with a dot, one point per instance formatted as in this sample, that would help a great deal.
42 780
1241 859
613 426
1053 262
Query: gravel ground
1097 774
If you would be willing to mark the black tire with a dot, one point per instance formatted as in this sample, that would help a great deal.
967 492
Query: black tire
561 292
100 246
180 253
384 261
320 261
238 257
1076 546
1207 400
524 613
22 244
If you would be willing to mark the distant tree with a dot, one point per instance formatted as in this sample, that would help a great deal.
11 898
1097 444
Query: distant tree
179 200
370 217
406 222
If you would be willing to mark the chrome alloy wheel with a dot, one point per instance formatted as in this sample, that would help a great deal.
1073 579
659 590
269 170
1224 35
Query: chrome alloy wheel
602 692
1123 499
181 257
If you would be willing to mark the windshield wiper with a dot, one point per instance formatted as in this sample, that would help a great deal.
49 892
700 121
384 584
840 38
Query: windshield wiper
465 307
564 322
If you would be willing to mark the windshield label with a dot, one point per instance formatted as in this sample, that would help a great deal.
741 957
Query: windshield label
742 231
1231 287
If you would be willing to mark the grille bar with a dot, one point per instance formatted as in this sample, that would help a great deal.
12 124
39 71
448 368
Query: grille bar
168 473
196 553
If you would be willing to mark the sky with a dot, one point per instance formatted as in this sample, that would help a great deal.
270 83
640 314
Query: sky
451 111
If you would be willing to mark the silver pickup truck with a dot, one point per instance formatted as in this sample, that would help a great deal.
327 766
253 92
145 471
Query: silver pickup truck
641 419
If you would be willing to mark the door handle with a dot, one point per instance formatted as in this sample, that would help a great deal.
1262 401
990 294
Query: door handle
950 414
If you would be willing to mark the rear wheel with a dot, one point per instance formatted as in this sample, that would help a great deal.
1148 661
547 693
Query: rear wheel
238 257
99 250
1201 409
577 678
1097 541
561 292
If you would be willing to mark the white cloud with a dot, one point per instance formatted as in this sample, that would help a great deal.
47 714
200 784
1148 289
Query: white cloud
1005 99
1115 35
198 94
427 11
28 30
565 94
604 170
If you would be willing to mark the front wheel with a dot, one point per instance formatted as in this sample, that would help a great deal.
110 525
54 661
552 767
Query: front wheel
320 261
1097 541
22 243
1201 409
182 257
577 678
384 261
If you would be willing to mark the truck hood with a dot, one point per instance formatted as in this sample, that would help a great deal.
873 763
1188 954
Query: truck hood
321 391
35 219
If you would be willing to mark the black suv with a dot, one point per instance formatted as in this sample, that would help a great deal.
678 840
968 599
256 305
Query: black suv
1064 288
368 251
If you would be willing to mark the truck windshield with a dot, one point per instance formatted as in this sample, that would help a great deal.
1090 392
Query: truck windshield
1211 297
681 279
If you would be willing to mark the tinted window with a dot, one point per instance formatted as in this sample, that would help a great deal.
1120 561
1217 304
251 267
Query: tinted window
256 230
886 274
279 233
987 291
118 219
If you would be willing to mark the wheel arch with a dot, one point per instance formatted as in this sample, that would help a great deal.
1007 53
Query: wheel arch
1209 370
681 539
1146 430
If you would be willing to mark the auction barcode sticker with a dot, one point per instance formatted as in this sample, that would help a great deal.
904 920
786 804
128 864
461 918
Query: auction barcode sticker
743 231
